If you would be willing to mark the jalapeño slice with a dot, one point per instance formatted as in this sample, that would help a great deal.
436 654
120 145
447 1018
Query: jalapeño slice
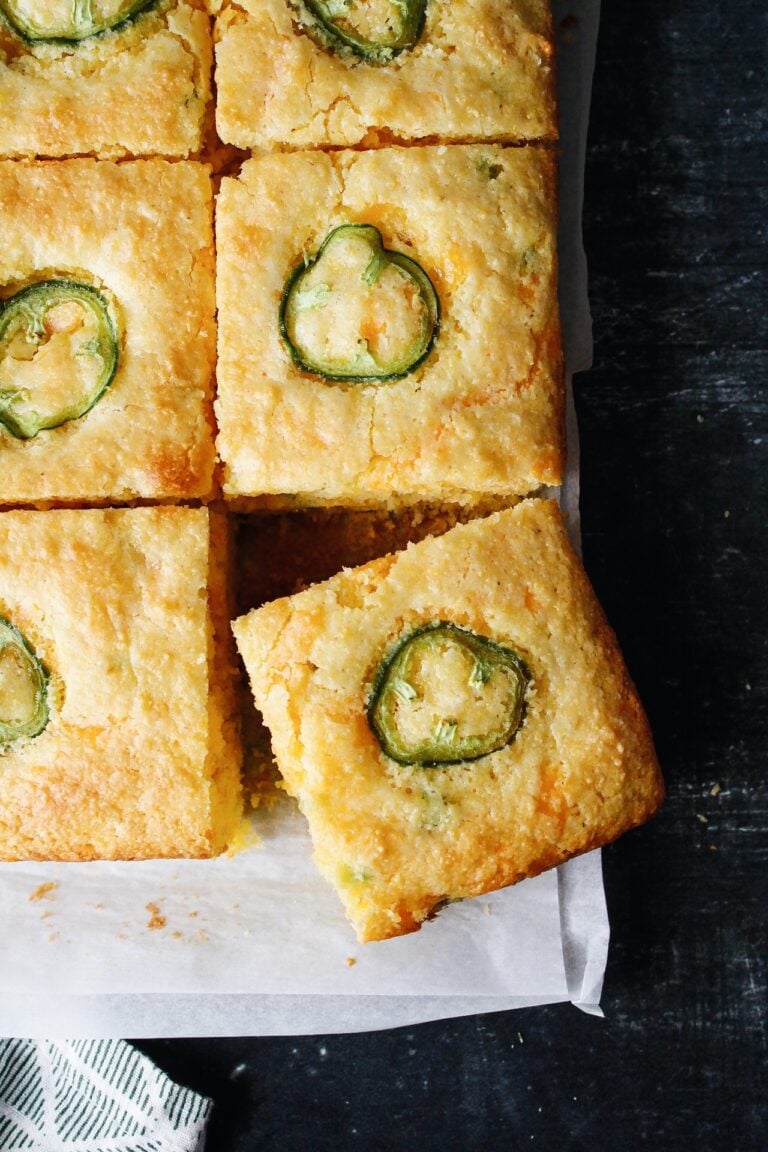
23 688
447 695
58 355
68 21
359 311
375 30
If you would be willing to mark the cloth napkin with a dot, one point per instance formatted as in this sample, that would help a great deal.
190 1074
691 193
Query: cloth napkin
93 1096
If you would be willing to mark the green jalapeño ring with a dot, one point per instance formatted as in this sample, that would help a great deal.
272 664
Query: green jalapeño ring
68 21
446 695
58 355
400 26
24 709
358 311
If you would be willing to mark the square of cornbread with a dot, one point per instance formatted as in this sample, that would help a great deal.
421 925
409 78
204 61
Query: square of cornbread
141 234
479 70
141 88
398 839
480 415
126 611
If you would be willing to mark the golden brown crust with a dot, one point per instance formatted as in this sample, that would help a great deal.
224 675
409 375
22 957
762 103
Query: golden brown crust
483 415
143 232
482 70
396 840
140 757
139 90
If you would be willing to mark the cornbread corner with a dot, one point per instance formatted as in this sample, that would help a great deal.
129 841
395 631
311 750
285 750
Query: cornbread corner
481 415
142 88
141 233
397 839
479 70
126 610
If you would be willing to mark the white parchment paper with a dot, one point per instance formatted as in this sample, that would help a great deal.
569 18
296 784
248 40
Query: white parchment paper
257 944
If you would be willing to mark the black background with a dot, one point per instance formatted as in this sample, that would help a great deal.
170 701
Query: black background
674 454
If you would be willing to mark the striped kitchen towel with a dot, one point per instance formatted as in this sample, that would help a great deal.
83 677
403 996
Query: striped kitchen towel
93 1096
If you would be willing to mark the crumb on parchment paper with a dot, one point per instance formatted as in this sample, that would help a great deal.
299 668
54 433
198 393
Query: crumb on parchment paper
44 891
351 961
156 919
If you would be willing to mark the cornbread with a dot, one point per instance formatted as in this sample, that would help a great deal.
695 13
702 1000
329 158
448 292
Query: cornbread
398 839
139 236
140 88
126 611
479 69
481 412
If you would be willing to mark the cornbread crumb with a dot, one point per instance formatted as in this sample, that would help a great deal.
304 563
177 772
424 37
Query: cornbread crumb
156 919
44 891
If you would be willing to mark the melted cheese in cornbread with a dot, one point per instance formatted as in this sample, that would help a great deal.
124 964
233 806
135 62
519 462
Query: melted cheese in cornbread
397 840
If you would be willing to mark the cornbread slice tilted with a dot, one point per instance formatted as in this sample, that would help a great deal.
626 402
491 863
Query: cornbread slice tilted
117 78
314 72
118 726
107 339
452 718
388 327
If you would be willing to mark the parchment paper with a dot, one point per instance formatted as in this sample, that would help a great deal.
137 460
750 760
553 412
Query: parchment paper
256 943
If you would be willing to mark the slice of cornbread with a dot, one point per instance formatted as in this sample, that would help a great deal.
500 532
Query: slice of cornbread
140 88
139 237
484 646
123 613
468 70
480 411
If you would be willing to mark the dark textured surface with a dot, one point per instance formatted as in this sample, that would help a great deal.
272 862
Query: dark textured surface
674 459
